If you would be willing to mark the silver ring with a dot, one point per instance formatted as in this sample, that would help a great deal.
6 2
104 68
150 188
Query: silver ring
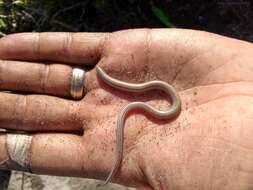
77 83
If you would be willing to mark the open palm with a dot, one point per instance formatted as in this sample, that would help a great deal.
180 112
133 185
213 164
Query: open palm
207 146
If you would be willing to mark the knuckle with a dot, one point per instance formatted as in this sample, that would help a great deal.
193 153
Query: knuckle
37 45
2 65
44 76
104 43
67 44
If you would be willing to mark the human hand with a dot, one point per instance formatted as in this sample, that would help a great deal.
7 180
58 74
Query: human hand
208 146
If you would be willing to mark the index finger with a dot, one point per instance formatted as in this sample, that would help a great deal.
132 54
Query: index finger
74 48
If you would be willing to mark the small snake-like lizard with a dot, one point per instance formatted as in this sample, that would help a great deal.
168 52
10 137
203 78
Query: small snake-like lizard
173 110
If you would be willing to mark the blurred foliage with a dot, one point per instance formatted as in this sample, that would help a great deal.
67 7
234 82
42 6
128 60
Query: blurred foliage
161 15
75 15
103 5
10 14
33 15
232 18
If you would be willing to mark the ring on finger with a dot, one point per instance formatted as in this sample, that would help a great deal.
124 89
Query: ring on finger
77 83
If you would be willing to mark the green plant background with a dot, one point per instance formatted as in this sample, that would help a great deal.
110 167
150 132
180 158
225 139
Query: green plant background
231 18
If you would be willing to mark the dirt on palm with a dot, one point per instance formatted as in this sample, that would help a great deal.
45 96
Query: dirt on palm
226 17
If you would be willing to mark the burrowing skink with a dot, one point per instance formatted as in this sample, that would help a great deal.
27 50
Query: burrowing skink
173 110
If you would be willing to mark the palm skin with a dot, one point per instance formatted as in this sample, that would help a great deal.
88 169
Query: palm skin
203 147
208 146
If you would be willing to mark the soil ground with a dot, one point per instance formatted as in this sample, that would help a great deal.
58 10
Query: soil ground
26 181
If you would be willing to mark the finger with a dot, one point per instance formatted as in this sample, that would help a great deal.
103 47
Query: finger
39 113
58 154
55 154
53 79
79 48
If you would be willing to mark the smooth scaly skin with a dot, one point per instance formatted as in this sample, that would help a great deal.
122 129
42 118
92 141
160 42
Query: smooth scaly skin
142 87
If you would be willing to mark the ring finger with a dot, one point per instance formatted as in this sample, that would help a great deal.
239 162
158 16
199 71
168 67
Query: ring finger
41 113
52 79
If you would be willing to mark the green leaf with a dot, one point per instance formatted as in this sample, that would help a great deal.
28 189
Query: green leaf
20 2
162 16
3 25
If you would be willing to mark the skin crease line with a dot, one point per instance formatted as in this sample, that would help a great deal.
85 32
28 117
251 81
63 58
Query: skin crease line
141 87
